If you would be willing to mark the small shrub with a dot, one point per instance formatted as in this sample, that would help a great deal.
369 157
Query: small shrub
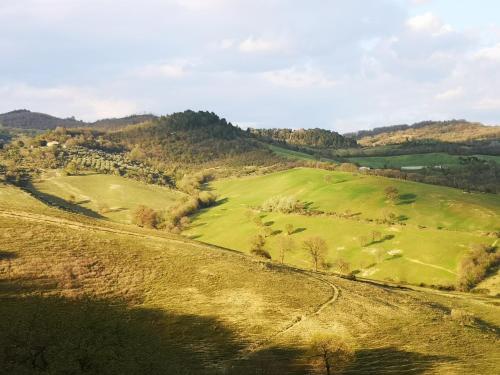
462 317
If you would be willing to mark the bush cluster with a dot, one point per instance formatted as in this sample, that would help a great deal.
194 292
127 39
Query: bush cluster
283 204
475 266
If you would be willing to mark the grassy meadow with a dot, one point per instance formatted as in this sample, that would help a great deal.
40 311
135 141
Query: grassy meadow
437 226
81 295
112 197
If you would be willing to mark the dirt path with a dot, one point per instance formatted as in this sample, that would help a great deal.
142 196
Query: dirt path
430 265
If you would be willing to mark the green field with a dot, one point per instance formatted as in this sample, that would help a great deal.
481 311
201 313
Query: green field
109 196
295 155
441 223
425 160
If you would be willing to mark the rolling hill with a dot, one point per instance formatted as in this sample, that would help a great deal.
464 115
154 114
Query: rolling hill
24 119
455 131
433 226
81 295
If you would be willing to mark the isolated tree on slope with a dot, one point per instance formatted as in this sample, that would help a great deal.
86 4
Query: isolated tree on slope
330 353
317 249
391 193
285 245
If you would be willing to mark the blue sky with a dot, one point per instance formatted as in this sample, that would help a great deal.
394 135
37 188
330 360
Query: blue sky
338 64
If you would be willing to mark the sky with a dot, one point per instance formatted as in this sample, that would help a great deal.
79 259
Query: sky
338 64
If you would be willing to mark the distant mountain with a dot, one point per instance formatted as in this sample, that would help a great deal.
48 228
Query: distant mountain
24 119
313 138
454 131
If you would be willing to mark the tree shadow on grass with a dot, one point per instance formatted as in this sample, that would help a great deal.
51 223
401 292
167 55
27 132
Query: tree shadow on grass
59 335
393 360
58 202
407 199
7 255
299 230
387 237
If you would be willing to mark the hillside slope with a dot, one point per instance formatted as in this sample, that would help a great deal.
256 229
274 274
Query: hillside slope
432 229
24 119
85 296
446 131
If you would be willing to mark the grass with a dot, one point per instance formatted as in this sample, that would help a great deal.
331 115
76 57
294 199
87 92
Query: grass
441 223
295 155
76 297
112 197
426 160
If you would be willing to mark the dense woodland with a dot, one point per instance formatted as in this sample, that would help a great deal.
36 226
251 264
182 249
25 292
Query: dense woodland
314 138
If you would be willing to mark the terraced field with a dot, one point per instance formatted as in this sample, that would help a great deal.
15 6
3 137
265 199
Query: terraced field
436 225
82 295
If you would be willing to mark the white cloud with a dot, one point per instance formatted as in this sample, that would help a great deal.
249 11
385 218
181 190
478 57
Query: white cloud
200 5
253 45
299 77
175 70
489 53
429 23
450 94
488 103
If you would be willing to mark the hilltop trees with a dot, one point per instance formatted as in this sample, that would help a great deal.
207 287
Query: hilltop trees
317 249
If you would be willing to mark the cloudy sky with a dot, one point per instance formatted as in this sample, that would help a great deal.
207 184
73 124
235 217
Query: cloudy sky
338 64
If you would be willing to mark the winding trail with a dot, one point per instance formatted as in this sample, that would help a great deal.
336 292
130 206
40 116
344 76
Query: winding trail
335 292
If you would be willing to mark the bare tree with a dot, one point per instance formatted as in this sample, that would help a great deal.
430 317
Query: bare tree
330 353
343 266
286 245
317 249
376 236
289 229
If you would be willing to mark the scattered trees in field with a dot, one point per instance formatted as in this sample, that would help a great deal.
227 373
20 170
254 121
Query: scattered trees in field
343 266
363 240
317 249
330 353
286 245
391 193
257 244
376 236
282 204
475 266
258 221
72 168
145 217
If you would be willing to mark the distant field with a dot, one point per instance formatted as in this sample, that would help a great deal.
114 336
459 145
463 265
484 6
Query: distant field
296 155
426 160
450 222
91 193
